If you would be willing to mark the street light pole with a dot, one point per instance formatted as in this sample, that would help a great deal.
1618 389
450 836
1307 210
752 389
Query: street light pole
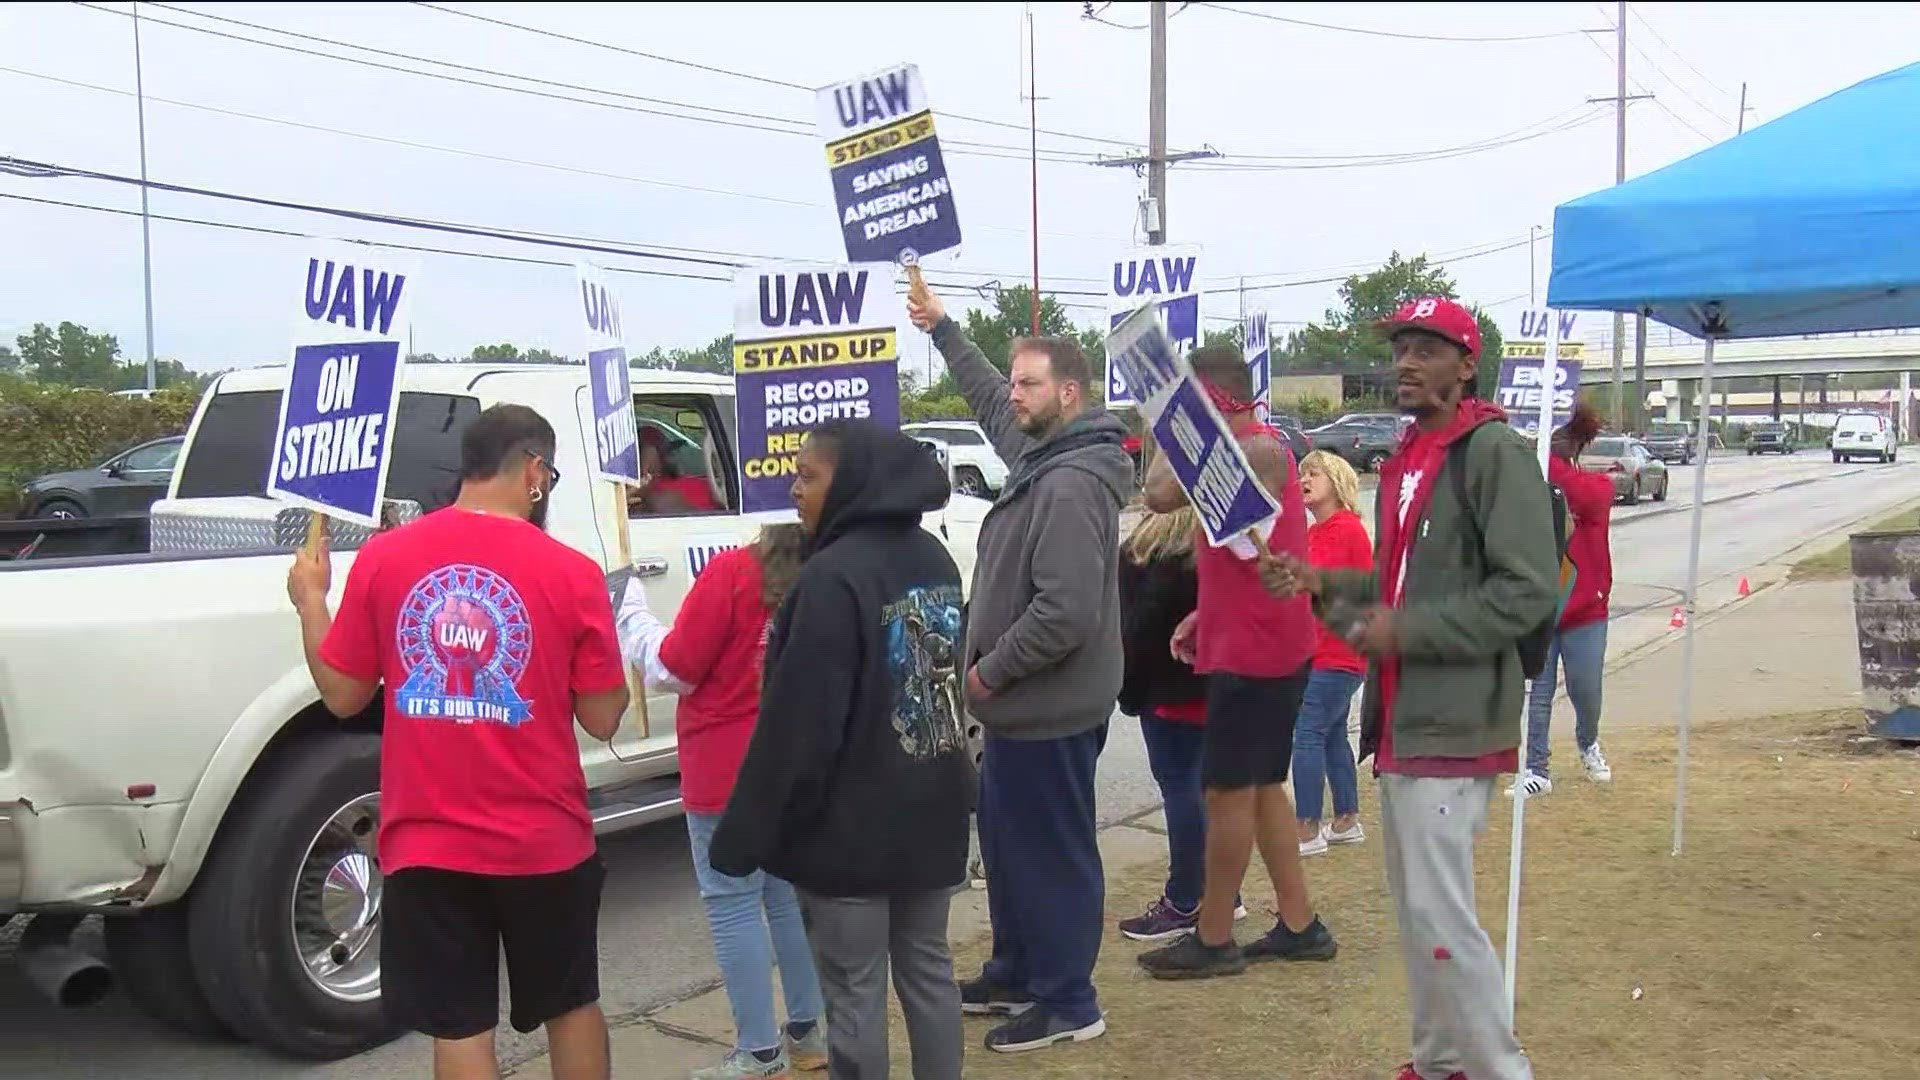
1533 234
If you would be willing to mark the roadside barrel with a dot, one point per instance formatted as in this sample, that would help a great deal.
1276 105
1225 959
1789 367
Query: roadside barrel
1886 616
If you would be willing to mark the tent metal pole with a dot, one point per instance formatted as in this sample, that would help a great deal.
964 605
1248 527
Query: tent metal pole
1549 388
1693 593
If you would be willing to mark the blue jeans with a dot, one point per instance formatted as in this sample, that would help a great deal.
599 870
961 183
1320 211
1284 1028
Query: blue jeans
1046 890
1322 753
1582 651
755 920
1173 753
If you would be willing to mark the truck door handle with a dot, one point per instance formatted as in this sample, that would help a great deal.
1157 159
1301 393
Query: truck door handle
649 566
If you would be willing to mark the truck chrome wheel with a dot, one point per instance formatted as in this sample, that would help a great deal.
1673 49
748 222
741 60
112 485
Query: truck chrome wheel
336 904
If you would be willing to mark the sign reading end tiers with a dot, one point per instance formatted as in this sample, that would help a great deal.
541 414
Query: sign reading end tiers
334 439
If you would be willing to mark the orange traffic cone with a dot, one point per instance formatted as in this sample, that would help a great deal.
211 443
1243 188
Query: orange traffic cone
1679 619
1745 589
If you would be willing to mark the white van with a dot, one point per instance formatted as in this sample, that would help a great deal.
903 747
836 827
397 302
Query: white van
1863 435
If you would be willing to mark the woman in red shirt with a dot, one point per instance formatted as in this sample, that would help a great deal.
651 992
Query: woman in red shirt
1322 752
712 656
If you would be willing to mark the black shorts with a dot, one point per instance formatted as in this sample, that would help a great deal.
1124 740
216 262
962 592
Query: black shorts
442 932
1249 732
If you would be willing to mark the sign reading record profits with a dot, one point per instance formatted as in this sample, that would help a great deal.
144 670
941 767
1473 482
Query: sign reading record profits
890 183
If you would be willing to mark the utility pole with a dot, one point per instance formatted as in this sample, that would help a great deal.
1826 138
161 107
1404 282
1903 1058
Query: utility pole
146 221
1620 176
1157 122
1741 127
1033 163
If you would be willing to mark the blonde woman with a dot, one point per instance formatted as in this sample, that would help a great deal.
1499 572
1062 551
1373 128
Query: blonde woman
1322 756
1158 588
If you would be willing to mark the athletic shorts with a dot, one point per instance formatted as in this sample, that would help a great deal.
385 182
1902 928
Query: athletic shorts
1249 732
442 932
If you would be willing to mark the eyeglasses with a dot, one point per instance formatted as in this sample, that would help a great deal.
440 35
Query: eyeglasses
551 470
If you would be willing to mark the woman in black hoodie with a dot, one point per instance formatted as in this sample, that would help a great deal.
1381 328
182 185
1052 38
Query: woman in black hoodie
855 787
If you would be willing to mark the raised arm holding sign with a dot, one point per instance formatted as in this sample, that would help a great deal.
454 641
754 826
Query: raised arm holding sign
615 433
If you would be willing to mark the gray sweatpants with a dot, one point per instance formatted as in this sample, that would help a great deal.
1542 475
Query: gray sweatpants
853 939
1454 976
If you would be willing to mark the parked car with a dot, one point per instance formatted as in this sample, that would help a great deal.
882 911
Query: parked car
1289 428
1635 472
1769 438
1669 441
1867 435
126 483
166 761
977 468
1366 440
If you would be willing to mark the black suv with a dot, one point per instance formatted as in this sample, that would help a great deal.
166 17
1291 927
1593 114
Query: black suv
1366 440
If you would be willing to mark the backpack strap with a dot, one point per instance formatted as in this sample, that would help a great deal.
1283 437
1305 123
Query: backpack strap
1456 468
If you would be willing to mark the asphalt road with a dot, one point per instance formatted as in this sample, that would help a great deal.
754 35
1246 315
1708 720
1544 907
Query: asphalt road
654 945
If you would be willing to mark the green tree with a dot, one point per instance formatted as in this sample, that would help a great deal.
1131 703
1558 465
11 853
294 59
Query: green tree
10 363
1345 337
70 356
1012 317
508 353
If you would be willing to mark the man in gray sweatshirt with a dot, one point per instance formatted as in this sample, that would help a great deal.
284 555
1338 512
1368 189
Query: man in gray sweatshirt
1044 667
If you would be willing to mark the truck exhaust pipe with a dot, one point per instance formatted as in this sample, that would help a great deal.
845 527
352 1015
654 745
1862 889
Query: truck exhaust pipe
61 973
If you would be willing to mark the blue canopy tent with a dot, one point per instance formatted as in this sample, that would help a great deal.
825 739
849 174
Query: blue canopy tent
1809 224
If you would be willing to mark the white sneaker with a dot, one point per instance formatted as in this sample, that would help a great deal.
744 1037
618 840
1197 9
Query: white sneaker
1355 835
1315 846
1595 763
1534 784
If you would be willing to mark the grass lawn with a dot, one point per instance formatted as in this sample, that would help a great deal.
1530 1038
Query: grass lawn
1837 561
1783 945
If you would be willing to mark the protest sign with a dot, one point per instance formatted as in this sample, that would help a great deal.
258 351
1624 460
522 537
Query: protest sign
1165 275
1519 393
1259 353
1531 342
811 344
1195 438
616 440
335 434
890 183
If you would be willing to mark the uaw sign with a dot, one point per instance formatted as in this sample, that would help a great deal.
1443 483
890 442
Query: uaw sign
1164 275
1259 352
335 434
890 183
616 439
1531 342
811 344
1195 438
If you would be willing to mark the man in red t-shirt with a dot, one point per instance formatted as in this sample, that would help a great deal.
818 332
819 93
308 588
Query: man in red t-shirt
491 637
1465 567
1256 653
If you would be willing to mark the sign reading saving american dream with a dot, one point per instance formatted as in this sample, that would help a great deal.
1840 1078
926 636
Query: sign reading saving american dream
334 440
616 439
1163 274
1259 352
1195 438
890 183
811 344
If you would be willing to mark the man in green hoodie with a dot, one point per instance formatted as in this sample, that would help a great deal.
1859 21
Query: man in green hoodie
1044 665
1464 568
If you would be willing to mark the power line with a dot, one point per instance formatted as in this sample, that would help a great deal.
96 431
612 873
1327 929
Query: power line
477 154
1563 114
1468 150
734 119
1644 21
1370 32
1664 74
712 69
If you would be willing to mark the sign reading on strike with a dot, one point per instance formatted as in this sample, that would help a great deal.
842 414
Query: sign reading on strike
1164 275
335 436
1195 438
811 344
1520 391
1259 352
616 441
890 183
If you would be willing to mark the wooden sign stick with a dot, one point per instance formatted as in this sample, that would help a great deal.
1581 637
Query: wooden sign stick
917 290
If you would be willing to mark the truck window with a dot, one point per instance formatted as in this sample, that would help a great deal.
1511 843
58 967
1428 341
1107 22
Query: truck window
229 453
694 441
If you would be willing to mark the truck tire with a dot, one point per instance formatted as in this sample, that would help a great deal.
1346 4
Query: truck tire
284 927
151 960
968 481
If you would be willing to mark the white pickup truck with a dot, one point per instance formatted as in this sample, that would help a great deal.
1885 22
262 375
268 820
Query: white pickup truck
165 760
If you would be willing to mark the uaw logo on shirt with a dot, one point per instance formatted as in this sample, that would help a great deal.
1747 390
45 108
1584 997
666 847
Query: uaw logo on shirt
464 640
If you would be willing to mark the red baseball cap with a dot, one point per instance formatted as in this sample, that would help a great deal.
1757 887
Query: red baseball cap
1436 315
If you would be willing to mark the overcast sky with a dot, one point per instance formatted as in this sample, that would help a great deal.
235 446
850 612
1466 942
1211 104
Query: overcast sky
743 183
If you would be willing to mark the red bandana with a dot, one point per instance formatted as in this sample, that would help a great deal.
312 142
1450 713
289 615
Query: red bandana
1225 402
